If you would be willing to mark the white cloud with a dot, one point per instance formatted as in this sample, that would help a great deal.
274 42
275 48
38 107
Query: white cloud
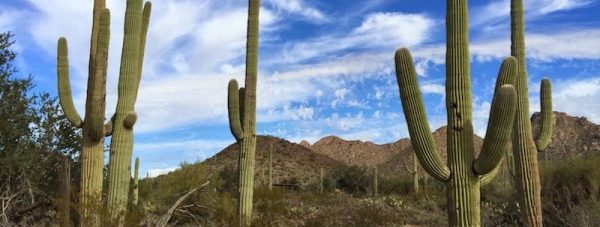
578 97
383 31
158 172
299 7
497 11
432 88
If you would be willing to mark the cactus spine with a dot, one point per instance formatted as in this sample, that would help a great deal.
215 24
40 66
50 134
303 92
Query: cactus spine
242 116
524 148
135 193
464 170
375 183
119 170
65 188
414 171
271 168
93 129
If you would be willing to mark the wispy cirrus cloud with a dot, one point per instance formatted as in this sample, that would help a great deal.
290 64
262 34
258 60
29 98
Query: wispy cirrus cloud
301 8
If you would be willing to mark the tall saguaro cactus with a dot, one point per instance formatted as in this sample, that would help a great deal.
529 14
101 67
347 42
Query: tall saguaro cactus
93 129
464 171
414 171
321 181
271 168
135 191
242 116
524 148
137 18
375 182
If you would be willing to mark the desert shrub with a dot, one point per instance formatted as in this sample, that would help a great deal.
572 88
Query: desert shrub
352 179
571 192
399 185
227 180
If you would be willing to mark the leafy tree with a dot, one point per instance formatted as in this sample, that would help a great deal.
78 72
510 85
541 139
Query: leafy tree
34 136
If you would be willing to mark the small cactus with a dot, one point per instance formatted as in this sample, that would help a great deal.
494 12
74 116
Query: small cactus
135 191
321 181
271 168
414 171
242 117
375 183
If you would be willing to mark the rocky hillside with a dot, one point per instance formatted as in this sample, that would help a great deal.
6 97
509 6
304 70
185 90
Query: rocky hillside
396 164
358 152
572 136
290 160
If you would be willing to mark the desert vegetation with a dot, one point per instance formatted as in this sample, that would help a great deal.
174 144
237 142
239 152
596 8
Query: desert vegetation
53 170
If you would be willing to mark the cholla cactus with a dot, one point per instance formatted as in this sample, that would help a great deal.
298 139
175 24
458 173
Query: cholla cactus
524 148
465 171
242 117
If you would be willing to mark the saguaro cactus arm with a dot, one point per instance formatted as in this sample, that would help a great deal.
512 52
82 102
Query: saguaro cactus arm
545 134
64 85
95 104
233 108
501 119
416 118
499 130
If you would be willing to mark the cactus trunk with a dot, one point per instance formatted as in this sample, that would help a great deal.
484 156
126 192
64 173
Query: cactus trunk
321 182
524 148
135 192
465 172
65 191
242 117
375 183
271 168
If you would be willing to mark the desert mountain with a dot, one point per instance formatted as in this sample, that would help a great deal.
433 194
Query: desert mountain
358 152
290 160
572 136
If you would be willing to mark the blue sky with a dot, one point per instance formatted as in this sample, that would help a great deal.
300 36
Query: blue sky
326 67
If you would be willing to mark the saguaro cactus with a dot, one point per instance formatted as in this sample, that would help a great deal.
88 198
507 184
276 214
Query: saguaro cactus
121 146
375 183
242 117
271 168
134 196
321 181
524 148
414 172
464 171
65 191
93 129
